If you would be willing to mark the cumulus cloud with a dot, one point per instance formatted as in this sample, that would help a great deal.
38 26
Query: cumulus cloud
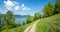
14 5
24 7
9 4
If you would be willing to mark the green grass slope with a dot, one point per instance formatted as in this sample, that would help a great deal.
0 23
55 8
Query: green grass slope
49 24
18 29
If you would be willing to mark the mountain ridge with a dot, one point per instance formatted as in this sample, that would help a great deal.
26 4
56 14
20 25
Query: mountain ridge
16 16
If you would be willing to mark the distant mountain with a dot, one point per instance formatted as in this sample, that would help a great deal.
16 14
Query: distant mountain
16 16
20 16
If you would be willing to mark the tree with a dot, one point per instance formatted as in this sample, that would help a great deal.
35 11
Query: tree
0 22
17 24
48 9
9 19
57 7
23 23
28 19
37 16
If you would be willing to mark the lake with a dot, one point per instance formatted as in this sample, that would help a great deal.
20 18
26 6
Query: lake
20 20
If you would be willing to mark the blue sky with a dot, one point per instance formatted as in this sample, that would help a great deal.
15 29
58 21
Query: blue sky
23 7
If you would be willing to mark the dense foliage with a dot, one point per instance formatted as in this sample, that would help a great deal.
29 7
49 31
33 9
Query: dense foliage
18 29
9 18
8 21
23 23
37 16
0 22
48 9
28 19
57 7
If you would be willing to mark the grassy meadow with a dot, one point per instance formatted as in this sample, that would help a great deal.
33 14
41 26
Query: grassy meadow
49 24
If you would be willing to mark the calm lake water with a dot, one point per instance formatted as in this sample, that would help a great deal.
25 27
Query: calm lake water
20 20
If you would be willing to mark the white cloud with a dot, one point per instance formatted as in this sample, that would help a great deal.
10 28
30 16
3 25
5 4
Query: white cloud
14 5
24 7
9 4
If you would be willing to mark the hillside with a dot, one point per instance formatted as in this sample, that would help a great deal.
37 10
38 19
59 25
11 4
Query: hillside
18 29
49 24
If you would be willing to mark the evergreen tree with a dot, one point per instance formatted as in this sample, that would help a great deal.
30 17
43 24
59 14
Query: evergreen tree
48 9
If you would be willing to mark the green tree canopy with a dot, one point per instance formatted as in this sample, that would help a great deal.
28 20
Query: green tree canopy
28 19
57 7
37 16
9 18
0 22
9 21
48 9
